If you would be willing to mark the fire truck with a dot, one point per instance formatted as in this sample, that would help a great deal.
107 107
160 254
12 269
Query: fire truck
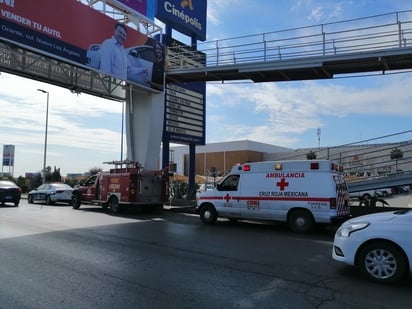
127 184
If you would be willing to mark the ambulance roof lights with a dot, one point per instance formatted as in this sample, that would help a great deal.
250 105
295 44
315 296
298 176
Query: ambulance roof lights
278 166
314 165
246 168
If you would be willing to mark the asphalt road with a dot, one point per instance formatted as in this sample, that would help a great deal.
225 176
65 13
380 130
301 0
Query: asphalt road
57 257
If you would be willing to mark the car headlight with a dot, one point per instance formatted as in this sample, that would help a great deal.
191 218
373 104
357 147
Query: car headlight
346 229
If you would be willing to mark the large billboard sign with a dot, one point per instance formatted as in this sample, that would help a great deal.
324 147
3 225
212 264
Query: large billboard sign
144 7
137 5
186 16
8 155
75 33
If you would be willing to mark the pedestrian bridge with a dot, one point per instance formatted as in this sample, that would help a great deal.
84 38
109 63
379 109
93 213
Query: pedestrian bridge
375 44
398 179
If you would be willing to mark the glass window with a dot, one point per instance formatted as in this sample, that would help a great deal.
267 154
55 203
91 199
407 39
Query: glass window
230 183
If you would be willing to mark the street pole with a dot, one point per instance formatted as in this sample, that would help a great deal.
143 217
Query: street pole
45 134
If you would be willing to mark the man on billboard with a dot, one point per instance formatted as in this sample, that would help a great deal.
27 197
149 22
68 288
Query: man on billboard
113 56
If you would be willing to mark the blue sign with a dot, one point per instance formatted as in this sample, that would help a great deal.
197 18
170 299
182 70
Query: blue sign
186 16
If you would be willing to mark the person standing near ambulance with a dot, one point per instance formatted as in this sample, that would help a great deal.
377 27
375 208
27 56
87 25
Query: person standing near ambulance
113 59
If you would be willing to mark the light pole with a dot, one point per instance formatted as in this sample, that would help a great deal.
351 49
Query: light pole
45 134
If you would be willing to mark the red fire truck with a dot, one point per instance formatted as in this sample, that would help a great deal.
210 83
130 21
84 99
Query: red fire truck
128 184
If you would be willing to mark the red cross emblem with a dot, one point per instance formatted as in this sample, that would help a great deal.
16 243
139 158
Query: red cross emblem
282 184
227 198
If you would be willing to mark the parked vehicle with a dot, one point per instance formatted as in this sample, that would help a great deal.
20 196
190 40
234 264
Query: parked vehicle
301 193
379 244
383 192
364 195
400 189
204 187
125 185
9 192
51 193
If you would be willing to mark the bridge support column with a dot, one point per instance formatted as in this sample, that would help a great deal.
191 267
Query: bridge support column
144 127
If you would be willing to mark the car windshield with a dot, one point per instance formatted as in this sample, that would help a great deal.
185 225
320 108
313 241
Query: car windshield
7 184
61 186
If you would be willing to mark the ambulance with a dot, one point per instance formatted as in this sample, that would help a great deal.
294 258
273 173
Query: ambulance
301 193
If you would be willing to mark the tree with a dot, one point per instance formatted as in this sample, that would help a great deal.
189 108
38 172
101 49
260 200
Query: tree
396 154
94 170
311 155
35 181
55 175
22 183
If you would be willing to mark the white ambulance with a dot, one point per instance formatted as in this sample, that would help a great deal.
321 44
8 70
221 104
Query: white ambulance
301 193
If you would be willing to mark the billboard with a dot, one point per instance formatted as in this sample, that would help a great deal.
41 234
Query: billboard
8 155
186 16
144 7
73 32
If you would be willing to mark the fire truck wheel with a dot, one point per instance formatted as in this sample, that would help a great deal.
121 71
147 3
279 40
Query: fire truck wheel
76 201
208 214
301 221
114 205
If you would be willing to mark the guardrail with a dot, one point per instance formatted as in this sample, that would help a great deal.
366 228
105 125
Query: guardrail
385 31
368 164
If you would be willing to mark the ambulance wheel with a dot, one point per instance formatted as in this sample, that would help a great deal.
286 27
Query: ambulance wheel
301 221
208 214
114 204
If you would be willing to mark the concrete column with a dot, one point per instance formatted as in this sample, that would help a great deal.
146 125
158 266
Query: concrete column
144 127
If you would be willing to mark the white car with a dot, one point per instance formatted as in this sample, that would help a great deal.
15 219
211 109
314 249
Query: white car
379 244
51 193
384 192
204 187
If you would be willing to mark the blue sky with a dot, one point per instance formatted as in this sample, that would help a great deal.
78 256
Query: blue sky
84 131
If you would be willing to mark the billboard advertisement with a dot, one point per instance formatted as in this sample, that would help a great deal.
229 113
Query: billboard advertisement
144 7
8 155
71 31
186 16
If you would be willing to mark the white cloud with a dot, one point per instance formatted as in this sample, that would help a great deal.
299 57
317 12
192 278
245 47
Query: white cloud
83 123
285 111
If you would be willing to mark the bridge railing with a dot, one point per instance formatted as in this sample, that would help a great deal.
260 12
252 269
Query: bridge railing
392 30
368 161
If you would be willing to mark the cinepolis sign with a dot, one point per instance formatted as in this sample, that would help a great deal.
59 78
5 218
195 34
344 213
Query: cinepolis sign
186 16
